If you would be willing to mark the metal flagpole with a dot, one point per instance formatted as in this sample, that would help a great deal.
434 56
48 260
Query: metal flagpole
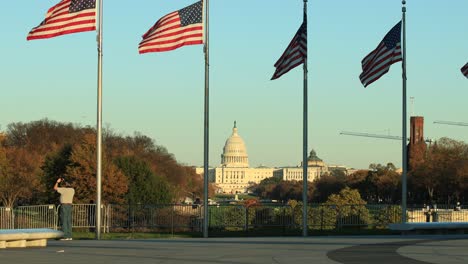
206 126
99 121
405 154
304 145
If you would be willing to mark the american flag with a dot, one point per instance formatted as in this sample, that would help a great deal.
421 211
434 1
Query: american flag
378 62
464 70
68 16
295 54
174 30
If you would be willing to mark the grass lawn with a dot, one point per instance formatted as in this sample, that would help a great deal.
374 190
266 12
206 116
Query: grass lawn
263 232
123 236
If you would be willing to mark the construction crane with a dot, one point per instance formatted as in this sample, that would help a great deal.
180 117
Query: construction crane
377 136
451 123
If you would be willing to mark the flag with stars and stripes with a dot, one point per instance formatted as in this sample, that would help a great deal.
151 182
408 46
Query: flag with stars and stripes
66 17
295 54
378 62
464 70
180 28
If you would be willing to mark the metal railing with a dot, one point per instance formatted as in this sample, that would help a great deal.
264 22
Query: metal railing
179 218
154 217
36 216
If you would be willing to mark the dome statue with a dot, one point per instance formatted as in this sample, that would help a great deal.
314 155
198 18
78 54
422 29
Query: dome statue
234 151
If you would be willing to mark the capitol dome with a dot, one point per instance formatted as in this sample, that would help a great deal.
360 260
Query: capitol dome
314 161
234 151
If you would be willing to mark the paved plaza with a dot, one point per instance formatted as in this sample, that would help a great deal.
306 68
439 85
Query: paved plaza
352 249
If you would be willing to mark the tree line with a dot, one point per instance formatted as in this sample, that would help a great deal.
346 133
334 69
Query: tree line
441 176
137 170
134 168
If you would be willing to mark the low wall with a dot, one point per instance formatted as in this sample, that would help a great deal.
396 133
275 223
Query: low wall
20 238
440 215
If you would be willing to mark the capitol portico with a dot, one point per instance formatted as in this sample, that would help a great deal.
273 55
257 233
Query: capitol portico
234 175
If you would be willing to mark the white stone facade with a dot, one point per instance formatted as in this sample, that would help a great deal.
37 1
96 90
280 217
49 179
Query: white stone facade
235 176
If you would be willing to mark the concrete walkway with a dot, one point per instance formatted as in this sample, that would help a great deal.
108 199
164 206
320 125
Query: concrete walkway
289 250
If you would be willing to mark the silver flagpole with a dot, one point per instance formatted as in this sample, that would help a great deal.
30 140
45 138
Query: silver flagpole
99 121
405 154
304 145
206 127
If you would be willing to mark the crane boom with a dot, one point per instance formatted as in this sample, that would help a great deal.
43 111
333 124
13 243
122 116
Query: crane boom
376 136
369 135
451 123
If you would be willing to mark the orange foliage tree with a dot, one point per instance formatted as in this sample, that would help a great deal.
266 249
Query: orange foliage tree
82 174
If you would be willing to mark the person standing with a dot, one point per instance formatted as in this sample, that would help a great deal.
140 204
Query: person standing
66 207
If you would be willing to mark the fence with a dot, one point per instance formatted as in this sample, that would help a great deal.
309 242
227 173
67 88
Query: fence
182 218
38 216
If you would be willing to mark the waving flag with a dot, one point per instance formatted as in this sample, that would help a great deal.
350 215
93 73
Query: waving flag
378 62
295 54
174 30
464 70
66 17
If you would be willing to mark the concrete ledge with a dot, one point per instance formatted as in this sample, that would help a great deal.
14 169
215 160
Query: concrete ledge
14 238
434 227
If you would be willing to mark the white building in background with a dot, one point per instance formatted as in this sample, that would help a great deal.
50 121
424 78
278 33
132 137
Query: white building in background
234 175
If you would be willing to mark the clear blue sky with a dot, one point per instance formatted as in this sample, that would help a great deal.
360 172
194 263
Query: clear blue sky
162 94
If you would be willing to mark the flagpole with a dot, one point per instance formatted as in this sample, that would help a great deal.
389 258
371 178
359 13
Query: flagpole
206 126
304 145
99 121
405 154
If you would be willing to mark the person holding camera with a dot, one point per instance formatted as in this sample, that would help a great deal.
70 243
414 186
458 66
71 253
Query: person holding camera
66 208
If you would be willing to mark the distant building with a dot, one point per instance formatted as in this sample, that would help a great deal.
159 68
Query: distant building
417 146
234 175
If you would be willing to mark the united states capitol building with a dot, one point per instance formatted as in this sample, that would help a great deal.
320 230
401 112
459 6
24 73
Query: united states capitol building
234 175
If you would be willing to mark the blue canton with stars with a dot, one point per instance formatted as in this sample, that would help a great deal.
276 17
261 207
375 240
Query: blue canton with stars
393 37
80 5
191 14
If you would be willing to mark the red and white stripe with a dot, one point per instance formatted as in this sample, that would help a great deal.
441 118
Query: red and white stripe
294 55
59 21
168 34
378 62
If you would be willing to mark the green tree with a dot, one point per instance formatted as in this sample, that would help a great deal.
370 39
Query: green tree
144 187
54 167
348 207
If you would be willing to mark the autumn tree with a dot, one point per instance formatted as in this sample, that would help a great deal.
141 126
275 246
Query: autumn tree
357 180
45 150
287 190
327 185
265 187
18 176
443 175
28 144
159 160
43 136
82 173
386 182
